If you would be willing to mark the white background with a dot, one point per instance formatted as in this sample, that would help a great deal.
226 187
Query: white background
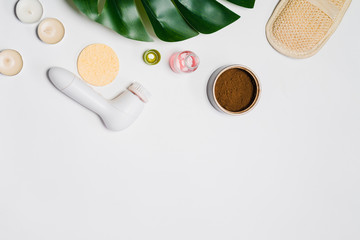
289 169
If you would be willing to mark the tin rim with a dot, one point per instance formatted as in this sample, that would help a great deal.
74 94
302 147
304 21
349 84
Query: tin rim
258 89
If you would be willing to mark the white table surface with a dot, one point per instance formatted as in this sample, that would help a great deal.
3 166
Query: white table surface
290 169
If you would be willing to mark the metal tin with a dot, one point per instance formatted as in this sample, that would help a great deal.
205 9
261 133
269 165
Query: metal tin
211 89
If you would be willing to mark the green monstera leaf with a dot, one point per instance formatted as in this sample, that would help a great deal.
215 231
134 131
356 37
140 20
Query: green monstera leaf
120 15
244 3
206 16
172 20
167 21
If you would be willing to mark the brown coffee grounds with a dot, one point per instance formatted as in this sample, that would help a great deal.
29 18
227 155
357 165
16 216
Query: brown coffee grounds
235 90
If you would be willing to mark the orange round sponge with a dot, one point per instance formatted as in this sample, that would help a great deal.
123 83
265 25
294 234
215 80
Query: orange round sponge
98 64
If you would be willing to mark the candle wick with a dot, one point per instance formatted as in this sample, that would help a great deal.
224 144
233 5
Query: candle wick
30 12
7 62
48 30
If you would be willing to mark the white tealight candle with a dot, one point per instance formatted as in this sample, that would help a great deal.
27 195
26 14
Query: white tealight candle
11 62
29 11
51 31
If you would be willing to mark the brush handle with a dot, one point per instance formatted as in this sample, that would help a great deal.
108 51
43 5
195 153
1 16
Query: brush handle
116 114
78 90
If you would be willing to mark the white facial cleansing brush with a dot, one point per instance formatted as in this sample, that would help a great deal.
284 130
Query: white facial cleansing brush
117 114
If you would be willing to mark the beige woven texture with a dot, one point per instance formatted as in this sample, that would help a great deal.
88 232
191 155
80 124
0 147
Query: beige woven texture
301 28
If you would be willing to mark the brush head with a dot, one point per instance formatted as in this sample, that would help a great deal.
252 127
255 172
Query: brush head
140 91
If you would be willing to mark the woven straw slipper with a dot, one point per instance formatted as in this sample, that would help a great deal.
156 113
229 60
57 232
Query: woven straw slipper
299 28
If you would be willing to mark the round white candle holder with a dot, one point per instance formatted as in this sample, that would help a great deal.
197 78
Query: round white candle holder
29 11
51 31
11 62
